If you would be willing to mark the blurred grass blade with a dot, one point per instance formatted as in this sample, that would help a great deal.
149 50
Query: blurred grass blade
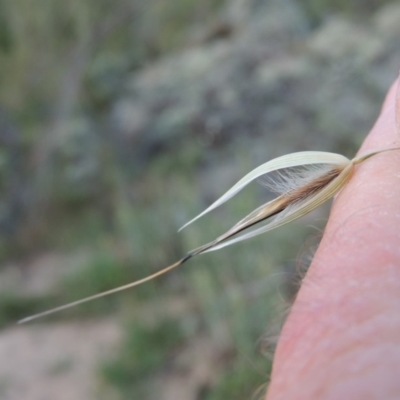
287 161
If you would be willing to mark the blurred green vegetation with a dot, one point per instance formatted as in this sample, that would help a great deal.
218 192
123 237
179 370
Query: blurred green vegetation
143 351
243 380
318 10
59 64
62 64
100 39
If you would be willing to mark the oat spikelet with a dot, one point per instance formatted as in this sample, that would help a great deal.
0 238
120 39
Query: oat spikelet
318 177
288 161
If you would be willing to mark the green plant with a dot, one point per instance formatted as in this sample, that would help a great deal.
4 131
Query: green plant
243 379
144 351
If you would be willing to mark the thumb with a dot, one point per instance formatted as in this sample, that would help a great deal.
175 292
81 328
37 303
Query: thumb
341 339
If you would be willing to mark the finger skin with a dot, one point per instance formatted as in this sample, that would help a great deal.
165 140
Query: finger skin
342 337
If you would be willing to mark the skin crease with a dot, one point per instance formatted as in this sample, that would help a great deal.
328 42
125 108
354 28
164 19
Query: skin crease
341 340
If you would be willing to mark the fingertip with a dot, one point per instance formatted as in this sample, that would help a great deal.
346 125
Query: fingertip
354 278
391 94
385 132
